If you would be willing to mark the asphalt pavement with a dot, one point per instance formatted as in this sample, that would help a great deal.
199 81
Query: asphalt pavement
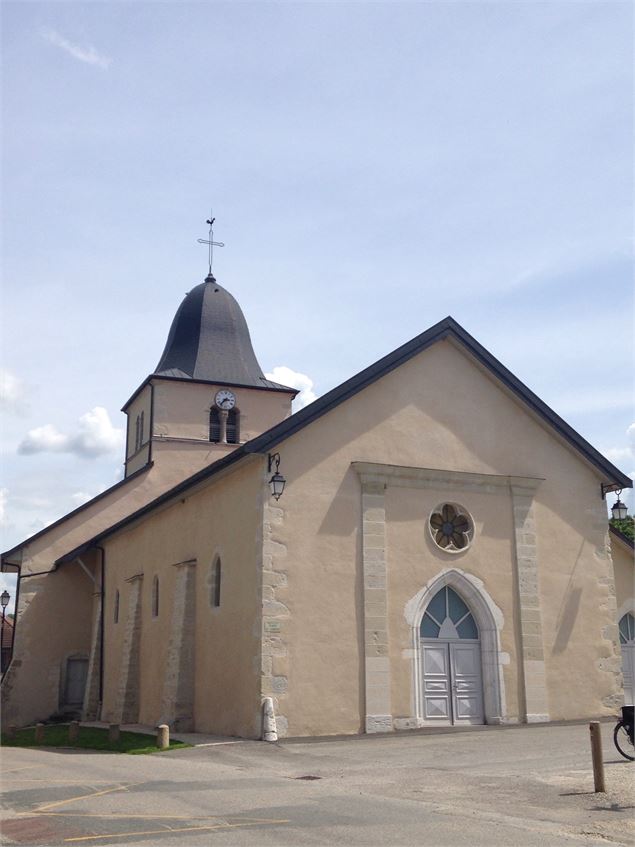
500 787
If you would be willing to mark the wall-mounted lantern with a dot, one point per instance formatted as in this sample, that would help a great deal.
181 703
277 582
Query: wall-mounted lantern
618 509
277 481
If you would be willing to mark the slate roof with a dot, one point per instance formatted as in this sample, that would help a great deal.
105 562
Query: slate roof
447 328
209 341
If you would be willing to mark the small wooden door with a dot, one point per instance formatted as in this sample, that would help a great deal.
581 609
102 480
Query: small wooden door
76 672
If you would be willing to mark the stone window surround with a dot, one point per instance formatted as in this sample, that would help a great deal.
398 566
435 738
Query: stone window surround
461 510
489 619
375 478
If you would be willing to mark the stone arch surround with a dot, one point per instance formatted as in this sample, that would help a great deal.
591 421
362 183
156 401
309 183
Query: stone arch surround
489 619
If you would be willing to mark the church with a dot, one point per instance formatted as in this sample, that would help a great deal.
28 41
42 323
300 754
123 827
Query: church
425 545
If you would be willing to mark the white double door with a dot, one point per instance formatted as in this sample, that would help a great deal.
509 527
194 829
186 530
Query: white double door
628 669
451 681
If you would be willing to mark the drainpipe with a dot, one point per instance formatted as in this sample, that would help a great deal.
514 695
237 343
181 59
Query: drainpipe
101 627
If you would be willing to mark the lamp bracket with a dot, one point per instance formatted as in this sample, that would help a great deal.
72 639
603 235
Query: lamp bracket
607 488
273 459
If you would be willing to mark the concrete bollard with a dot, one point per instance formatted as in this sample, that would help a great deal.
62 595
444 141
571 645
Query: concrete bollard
163 736
39 733
114 733
269 729
73 731
596 755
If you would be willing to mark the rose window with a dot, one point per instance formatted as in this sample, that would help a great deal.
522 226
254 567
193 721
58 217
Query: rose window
451 528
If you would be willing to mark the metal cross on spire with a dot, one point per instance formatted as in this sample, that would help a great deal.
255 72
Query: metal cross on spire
211 242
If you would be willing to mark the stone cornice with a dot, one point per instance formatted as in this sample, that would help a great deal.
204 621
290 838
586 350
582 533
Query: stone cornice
375 473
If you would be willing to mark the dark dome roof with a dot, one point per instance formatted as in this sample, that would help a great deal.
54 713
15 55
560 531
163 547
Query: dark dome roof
209 340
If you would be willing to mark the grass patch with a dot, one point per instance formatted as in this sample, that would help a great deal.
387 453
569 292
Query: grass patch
90 738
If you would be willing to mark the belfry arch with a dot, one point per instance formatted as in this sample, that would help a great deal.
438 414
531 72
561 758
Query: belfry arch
489 620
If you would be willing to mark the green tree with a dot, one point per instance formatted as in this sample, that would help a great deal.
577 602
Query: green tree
625 526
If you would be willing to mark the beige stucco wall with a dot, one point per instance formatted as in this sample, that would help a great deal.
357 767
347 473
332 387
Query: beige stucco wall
439 410
201 526
624 572
54 623
181 410
136 459
181 415
414 560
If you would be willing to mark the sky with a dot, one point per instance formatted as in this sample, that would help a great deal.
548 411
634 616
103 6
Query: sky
373 167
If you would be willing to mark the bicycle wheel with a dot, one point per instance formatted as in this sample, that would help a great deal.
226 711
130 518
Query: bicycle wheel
623 742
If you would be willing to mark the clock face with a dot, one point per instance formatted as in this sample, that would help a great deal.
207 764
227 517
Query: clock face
225 399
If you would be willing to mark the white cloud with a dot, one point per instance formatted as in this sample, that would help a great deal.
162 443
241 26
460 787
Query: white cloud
81 497
286 376
86 53
95 436
4 498
13 394
623 454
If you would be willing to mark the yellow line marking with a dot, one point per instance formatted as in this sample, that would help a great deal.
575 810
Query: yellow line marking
61 781
119 816
170 831
24 768
85 796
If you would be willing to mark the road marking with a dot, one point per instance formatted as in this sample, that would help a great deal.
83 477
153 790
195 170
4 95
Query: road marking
119 816
122 816
86 796
170 830
61 781
24 768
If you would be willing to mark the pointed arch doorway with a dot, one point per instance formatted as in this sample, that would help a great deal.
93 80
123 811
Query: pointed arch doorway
450 655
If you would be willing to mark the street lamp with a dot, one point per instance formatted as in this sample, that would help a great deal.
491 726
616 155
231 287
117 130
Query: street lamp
277 481
618 509
4 601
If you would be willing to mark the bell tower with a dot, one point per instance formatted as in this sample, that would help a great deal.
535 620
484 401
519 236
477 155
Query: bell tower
207 394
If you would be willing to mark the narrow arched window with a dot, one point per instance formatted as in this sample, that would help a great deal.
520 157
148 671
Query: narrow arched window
155 597
136 432
141 427
214 589
214 424
115 615
233 426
